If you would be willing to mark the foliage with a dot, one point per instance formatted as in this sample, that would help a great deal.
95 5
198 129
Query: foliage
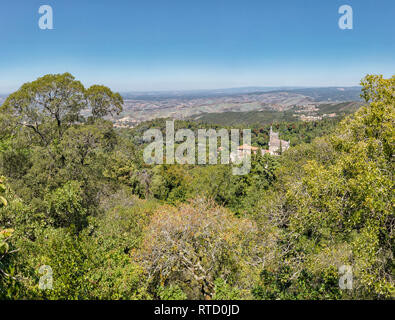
193 245
65 206
171 293
75 195
337 197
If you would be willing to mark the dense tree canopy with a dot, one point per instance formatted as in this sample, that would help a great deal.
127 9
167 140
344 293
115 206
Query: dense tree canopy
76 196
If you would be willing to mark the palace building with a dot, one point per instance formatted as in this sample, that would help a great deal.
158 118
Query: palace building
276 145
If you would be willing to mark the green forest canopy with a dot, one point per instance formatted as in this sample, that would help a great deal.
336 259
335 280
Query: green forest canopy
75 195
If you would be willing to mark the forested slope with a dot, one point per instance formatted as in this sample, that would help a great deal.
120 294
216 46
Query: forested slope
76 196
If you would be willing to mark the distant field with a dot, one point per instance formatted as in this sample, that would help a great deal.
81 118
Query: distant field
331 93
250 117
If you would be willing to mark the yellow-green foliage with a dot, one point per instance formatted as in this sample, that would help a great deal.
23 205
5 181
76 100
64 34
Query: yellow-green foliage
338 202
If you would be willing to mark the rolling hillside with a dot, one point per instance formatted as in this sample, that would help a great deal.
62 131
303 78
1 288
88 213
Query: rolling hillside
264 117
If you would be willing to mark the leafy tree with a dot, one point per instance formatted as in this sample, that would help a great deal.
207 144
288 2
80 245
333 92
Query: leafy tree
223 291
281 284
103 101
59 98
191 246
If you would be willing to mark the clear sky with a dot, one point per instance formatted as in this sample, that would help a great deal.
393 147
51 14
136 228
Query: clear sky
203 44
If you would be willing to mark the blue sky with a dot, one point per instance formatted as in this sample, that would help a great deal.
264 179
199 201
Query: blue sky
202 44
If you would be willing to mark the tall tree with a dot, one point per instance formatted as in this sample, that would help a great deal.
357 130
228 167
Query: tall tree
56 101
103 101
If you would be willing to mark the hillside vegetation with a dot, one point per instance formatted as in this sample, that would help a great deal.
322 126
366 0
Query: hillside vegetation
76 196
270 116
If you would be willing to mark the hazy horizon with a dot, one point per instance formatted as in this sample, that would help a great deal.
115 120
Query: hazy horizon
153 89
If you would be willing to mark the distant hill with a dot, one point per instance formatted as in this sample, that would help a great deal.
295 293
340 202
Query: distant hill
331 93
238 105
265 117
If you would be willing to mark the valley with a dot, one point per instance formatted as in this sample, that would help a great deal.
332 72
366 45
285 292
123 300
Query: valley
308 104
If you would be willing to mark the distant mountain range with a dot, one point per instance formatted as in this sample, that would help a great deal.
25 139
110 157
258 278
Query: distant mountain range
332 93
307 113
319 93
298 103
229 105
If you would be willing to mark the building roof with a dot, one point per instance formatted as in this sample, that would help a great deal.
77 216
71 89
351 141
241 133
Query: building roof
247 147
